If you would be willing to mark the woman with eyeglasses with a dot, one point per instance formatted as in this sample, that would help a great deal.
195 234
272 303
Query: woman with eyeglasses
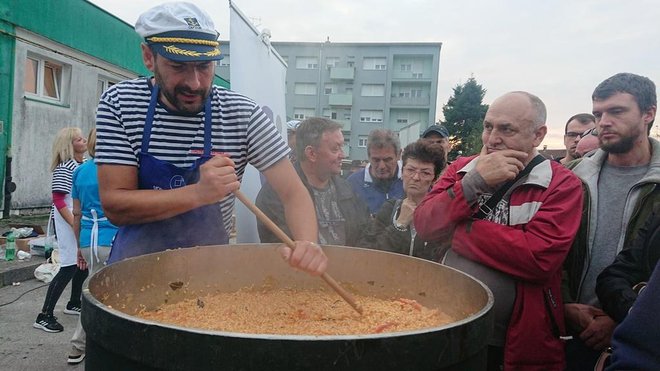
392 228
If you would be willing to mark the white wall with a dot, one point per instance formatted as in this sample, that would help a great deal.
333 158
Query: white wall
35 123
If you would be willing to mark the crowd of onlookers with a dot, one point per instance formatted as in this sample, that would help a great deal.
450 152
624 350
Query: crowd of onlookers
566 245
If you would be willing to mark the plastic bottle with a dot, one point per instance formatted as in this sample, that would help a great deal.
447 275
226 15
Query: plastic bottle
48 247
10 249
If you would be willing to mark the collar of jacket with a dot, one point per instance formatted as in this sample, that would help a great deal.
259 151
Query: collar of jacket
343 192
588 167
541 174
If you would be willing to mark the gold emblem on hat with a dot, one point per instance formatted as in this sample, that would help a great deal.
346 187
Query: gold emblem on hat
182 40
190 53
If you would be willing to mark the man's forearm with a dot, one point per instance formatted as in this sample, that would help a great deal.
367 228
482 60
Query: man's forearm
473 186
142 206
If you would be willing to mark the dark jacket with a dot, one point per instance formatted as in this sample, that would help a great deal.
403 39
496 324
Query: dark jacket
354 211
641 199
632 266
636 341
381 234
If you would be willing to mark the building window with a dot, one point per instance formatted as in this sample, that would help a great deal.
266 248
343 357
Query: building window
379 63
303 113
373 90
418 75
330 89
406 67
401 121
404 94
416 93
307 63
103 85
371 116
330 114
31 73
224 62
350 64
362 141
331 62
305 88
43 78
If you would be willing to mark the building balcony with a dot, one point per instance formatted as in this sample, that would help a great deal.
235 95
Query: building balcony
340 99
342 73
408 101
408 76
346 125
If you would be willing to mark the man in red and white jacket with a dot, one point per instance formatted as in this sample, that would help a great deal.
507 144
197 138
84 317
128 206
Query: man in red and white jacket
517 248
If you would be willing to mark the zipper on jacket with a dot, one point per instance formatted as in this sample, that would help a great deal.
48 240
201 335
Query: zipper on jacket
583 274
551 303
413 234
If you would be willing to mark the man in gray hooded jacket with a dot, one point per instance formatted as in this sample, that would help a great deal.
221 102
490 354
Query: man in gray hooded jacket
620 185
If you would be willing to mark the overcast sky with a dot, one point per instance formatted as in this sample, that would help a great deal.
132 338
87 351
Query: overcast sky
558 50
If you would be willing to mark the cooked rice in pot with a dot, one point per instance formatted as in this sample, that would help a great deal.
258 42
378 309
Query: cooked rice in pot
296 312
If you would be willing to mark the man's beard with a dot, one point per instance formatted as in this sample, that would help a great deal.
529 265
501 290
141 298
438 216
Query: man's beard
622 146
171 96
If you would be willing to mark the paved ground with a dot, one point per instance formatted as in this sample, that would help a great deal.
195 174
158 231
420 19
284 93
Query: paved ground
23 347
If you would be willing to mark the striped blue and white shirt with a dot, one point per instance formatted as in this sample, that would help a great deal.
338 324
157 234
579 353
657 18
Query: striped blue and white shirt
63 176
241 131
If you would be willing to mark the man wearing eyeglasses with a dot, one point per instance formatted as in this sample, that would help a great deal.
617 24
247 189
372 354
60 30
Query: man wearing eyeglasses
575 127
340 214
509 215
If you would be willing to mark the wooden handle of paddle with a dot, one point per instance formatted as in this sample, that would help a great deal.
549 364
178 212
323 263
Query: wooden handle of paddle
289 242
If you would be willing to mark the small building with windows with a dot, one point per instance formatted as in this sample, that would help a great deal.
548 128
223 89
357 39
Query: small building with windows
56 59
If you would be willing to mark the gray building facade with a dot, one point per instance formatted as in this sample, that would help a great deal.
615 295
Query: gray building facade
363 86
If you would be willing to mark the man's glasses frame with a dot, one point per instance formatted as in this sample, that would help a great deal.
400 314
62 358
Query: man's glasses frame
573 135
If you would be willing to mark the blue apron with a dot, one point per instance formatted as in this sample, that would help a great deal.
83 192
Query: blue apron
197 227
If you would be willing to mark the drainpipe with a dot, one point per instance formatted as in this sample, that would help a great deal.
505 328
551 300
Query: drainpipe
9 188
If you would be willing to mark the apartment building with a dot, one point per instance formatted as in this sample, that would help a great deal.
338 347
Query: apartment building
363 86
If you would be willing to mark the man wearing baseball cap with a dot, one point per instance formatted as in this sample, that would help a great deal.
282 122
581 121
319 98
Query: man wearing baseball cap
173 147
438 133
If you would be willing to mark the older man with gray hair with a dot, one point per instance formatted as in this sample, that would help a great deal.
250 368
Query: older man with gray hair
381 179
509 216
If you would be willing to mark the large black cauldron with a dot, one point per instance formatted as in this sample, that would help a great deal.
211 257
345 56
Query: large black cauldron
116 340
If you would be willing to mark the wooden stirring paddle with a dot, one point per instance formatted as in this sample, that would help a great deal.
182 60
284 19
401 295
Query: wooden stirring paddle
289 242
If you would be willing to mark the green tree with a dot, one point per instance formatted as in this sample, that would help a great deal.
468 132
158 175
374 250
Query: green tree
464 115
